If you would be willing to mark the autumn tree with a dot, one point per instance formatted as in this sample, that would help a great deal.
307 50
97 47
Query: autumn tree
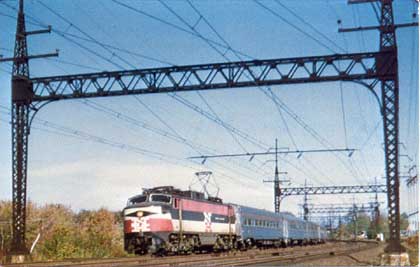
65 234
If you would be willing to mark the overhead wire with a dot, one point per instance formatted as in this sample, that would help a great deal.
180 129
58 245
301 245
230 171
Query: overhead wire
362 45
310 26
319 42
361 152
277 15
66 35
82 135
216 118
412 85
220 53
239 57
203 17
186 142
169 24
343 113
207 22
219 119
174 136
91 39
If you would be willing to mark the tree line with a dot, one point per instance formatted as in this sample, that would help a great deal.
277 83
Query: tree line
63 233
364 222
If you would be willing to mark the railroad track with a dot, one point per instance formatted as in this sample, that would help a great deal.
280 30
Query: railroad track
250 257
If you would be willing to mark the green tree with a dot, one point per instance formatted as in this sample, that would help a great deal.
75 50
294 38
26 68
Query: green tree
360 223
404 221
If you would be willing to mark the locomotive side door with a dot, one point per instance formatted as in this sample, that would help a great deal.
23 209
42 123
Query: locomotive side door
231 213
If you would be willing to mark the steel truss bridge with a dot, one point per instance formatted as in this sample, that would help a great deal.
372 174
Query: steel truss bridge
371 69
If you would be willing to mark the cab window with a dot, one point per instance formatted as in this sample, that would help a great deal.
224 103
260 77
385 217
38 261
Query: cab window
137 200
160 198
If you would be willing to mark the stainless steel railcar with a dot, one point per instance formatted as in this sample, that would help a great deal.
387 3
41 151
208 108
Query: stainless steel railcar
265 228
165 220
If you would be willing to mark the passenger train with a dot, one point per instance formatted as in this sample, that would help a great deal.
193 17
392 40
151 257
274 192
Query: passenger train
166 220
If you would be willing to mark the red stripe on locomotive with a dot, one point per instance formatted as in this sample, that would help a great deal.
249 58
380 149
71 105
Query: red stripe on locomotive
128 228
160 225
198 206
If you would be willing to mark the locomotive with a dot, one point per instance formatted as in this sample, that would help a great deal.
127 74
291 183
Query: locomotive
165 220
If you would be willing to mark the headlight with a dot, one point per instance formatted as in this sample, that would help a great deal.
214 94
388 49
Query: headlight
139 213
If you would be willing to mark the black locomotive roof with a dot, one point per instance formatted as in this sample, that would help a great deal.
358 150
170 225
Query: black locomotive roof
182 193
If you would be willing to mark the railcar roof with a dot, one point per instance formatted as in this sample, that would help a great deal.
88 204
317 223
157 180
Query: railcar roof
257 211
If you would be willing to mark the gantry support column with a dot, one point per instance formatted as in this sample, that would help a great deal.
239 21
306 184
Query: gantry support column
390 103
22 95
20 132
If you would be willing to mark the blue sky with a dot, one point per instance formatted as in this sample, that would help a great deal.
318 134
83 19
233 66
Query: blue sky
90 174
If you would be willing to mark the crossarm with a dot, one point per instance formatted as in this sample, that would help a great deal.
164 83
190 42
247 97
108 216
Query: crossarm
238 74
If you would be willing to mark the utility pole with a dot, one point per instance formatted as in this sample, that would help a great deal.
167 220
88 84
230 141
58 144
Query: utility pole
305 204
276 181
376 212
355 219
277 189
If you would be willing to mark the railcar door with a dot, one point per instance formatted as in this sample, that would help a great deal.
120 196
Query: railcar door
318 228
285 230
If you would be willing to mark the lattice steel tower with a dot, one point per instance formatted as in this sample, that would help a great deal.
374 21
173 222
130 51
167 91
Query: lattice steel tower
21 98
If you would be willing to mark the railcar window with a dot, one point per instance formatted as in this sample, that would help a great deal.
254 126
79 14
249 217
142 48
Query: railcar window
136 200
161 198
